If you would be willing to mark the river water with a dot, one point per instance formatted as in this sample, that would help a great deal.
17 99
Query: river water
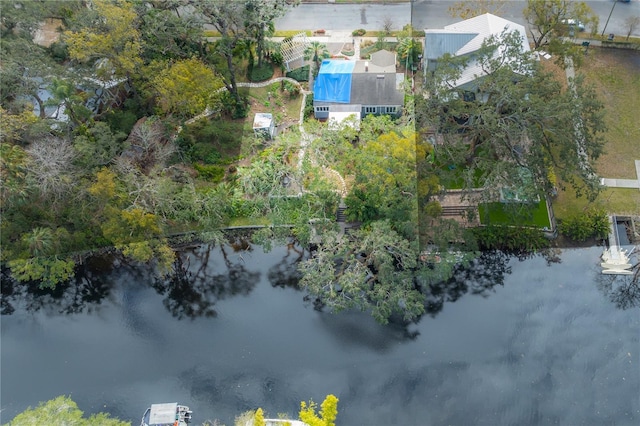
517 343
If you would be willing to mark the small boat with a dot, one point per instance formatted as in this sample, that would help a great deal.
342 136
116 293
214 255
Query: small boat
169 414
616 261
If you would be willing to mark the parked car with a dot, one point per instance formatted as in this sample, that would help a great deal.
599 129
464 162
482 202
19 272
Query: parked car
573 24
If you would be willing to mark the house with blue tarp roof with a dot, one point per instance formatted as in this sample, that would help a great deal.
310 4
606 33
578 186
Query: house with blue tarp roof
358 88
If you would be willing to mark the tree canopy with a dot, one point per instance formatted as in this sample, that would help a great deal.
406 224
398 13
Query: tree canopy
520 124
549 23
112 35
187 87
62 411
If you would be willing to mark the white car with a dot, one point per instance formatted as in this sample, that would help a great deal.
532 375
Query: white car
573 24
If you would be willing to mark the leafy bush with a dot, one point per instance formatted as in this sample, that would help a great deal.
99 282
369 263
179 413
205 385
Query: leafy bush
308 106
510 239
59 51
276 58
299 74
292 89
210 172
210 141
265 72
206 153
359 32
581 227
232 108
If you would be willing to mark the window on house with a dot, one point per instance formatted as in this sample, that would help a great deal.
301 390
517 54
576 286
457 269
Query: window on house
370 110
322 109
390 110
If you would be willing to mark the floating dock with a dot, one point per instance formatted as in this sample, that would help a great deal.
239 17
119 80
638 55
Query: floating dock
615 259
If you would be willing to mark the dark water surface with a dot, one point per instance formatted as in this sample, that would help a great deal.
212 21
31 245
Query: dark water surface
555 344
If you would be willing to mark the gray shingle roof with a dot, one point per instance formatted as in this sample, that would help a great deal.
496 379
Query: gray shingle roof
375 89
383 58
375 84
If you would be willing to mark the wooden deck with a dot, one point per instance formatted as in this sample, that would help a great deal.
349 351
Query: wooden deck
461 206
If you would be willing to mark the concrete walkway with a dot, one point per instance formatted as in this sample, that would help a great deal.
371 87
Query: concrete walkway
624 183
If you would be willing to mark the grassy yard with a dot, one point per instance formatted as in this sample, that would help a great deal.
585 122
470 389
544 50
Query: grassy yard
515 214
271 99
613 200
616 75
223 141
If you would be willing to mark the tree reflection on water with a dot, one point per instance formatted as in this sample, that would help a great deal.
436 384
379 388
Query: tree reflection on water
622 290
285 273
196 285
485 272
81 294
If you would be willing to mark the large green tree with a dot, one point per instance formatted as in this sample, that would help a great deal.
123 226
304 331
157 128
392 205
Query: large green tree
165 34
62 411
548 23
374 268
227 18
260 16
187 87
385 185
108 32
520 124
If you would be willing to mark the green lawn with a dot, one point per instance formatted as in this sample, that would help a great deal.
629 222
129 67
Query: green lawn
515 214
623 201
615 74
271 99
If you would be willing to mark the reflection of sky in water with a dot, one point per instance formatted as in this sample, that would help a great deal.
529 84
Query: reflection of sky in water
547 348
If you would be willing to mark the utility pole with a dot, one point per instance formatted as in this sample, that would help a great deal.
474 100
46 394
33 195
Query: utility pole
610 13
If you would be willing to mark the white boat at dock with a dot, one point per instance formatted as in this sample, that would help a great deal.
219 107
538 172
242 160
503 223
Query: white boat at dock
615 260
168 414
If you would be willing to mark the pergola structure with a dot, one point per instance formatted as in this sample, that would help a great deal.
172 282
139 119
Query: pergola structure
293 49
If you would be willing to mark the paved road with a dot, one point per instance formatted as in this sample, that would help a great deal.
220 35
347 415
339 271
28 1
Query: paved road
426 14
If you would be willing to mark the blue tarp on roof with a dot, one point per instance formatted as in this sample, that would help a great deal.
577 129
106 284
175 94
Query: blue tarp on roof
333 83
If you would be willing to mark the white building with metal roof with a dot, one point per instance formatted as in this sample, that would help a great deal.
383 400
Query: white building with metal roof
465 38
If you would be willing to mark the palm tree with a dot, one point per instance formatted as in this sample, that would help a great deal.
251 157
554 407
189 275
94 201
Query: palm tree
316 51
40 241
408 50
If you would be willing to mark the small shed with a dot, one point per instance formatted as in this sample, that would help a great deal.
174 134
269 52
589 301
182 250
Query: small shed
264 125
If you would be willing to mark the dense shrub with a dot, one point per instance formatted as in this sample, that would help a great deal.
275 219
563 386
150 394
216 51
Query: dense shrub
359 32
232 108
292 89
123 120
59 51
510 239
265 72
308 106
581 227
276 58
210 172
299 74
210 141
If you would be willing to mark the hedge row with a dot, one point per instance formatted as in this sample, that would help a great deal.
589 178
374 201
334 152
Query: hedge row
299 74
